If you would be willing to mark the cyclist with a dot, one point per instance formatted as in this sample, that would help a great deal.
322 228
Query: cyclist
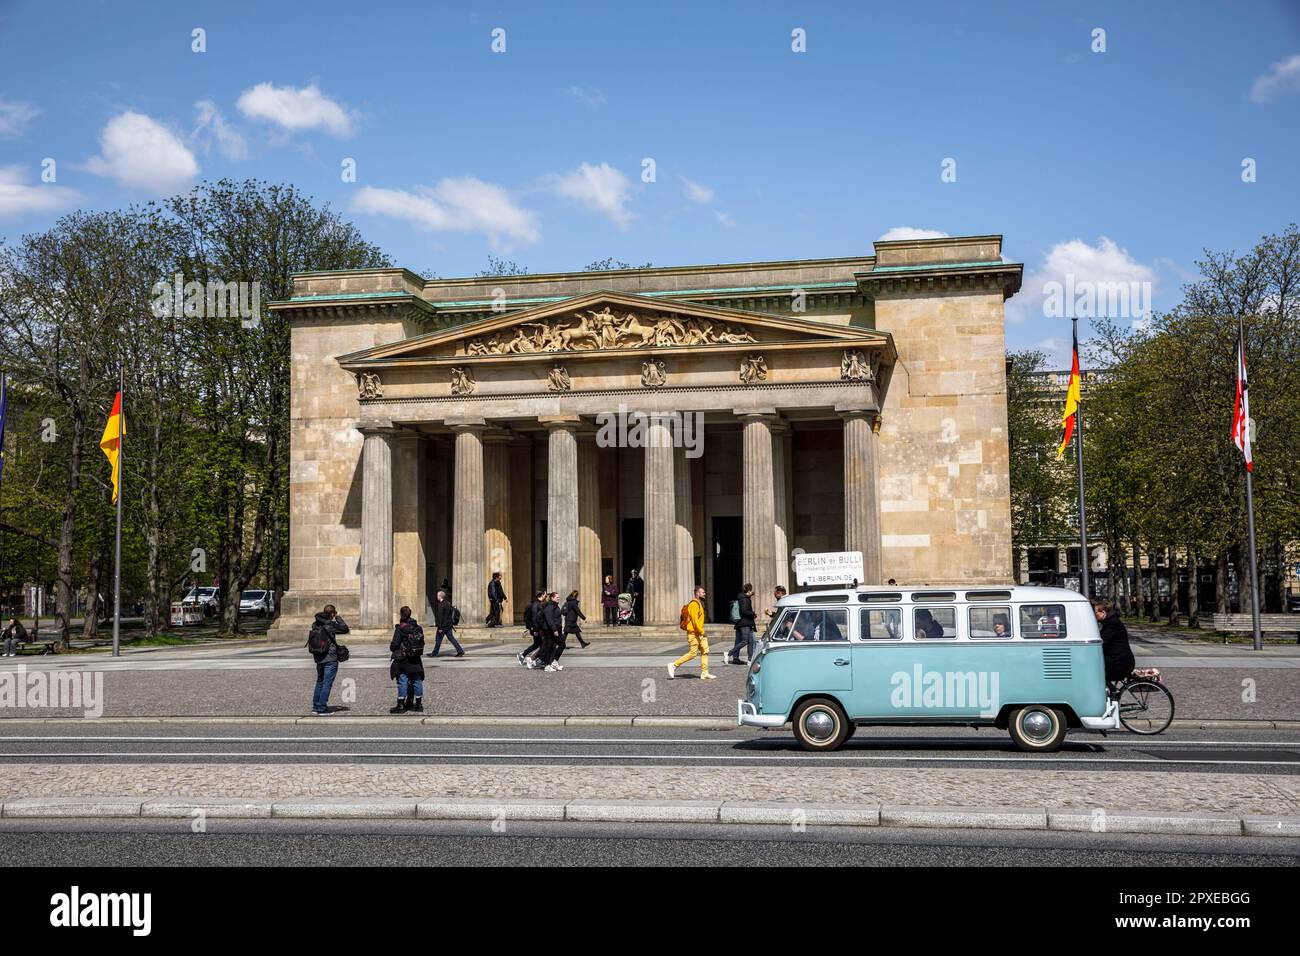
1114 641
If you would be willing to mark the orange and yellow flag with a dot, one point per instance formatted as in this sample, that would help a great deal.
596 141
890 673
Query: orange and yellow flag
1072 398
111 443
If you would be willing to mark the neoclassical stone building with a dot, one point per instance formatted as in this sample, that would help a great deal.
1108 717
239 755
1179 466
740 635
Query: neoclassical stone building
697 423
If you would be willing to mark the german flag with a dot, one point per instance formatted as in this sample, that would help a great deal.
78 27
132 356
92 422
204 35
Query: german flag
111 443
1070 415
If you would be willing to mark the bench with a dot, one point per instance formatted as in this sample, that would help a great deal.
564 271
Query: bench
1286 625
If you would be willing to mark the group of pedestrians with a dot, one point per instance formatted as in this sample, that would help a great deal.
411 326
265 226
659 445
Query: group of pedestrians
548 624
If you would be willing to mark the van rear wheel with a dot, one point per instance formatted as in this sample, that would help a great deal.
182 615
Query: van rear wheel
820 725
1037 728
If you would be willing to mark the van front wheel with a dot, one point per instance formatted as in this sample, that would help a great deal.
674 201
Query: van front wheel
820 725
1037 729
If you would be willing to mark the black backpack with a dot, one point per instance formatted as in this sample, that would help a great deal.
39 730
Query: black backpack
455 616
413 642
530 621
319 640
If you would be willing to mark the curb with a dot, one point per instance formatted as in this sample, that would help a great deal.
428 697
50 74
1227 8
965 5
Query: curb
541 720
656 811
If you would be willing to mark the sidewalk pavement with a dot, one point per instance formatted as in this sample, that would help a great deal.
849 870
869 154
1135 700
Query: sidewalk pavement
1079 800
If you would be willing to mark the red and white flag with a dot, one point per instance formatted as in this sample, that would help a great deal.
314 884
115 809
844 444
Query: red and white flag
1241 406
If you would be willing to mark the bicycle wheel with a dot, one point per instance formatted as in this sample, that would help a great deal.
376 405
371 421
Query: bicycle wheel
1145 707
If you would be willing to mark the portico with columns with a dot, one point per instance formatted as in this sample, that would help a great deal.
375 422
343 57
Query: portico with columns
698 424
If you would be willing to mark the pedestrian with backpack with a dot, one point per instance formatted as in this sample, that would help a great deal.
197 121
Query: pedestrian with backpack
322 642
445 619
692 622
532 627
744 619
406 647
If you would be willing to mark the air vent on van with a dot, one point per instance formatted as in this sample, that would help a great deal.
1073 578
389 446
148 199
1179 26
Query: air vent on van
988 595
879 597
827 598
934 596
1056 663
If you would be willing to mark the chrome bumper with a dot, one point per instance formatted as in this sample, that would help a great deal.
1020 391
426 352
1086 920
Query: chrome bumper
747 714
1107 721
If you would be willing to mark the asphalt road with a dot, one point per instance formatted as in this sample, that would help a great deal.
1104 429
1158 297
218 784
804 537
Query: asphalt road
613 677
446 843
1240 752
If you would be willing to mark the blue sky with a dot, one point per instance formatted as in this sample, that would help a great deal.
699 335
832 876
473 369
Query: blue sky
1114 165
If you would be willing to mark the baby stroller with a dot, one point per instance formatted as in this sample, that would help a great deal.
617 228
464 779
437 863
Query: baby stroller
624 609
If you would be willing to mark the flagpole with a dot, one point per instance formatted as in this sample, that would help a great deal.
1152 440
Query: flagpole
1250 498
121 480
1078 452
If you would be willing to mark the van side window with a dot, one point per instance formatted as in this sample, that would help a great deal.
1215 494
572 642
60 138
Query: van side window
812 624
880 623
1042 621
781 626
990 623
930 623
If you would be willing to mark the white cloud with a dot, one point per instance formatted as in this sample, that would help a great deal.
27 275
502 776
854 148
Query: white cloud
1089 281
1057 351
725 219
294 109
602 189
212 126
141 153
14 116
899 233
696 192
586 97
18 197
1282 77
463 204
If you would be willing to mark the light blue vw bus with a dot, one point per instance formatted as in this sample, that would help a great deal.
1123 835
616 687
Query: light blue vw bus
1025 659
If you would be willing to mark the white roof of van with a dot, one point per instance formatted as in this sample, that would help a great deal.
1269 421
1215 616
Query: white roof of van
1019 592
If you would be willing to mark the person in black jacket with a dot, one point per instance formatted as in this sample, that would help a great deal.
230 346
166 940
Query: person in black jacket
552 633
496 597
572 615
406 647
533 627
1114 642
327 664
745 625
444 620
14 635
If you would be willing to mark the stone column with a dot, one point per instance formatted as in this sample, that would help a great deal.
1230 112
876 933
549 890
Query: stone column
781 500
497 546
468 564
684 527
377 528
661 604
562 554
589 543
861 499
409 542
759 504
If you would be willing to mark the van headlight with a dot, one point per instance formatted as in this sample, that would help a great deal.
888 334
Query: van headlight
750 688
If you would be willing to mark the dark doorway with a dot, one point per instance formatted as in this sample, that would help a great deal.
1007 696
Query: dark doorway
728 565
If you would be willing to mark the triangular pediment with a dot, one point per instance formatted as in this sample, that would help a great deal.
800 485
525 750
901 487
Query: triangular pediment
607 321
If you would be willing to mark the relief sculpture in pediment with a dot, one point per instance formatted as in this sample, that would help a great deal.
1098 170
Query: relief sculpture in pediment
602 329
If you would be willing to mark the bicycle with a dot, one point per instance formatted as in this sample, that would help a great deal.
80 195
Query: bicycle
1146 705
